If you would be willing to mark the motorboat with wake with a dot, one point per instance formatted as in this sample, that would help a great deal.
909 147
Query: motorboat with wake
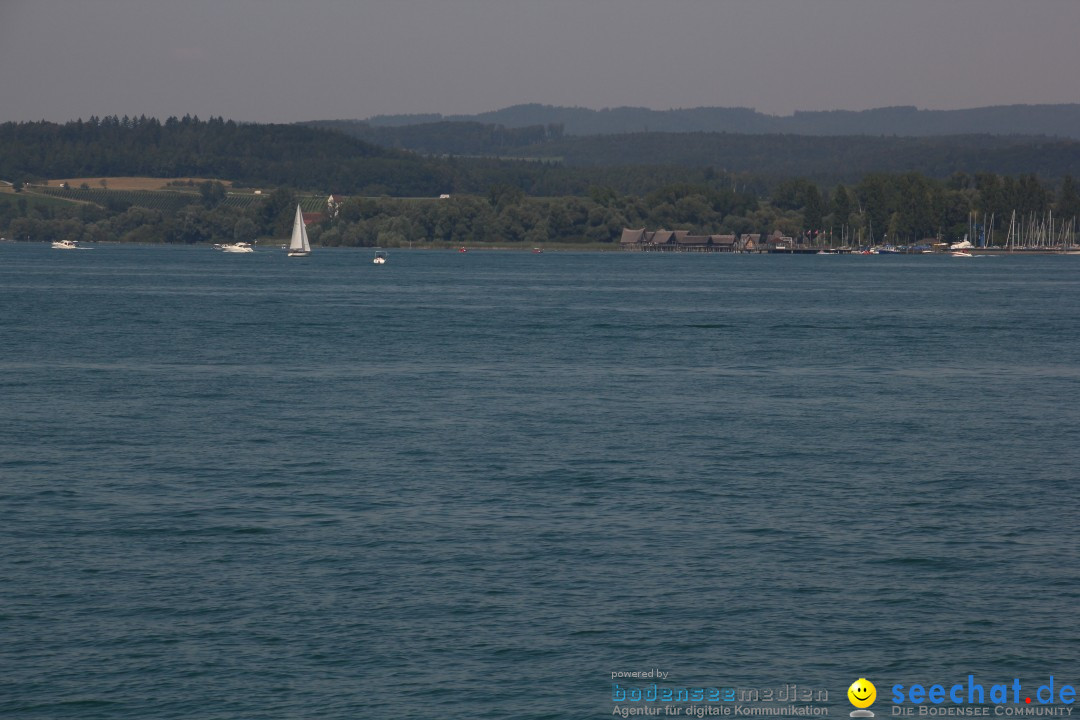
68 245
236 247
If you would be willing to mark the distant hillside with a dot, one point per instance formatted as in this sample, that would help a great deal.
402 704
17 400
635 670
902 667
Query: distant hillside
303 158
300 157
1051 120
823 159
826 159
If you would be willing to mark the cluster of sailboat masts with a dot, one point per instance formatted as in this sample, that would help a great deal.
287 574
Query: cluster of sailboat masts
1034 232
1029 232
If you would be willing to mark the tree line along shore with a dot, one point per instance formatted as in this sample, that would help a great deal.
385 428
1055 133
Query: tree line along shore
393 198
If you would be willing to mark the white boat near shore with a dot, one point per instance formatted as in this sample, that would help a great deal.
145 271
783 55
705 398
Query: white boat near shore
236 247
68 245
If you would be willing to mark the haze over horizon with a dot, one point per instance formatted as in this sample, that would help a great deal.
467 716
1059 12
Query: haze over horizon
271 61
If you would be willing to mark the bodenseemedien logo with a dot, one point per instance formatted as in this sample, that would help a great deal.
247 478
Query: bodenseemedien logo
862 694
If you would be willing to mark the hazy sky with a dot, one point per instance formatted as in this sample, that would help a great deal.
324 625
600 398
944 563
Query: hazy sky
277 61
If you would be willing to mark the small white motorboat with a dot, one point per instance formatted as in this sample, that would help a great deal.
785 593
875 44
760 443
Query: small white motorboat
380 257
236 247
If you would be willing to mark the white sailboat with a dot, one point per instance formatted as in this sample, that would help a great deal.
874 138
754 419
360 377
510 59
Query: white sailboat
298 243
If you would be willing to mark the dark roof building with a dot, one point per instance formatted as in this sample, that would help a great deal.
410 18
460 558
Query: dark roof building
692 240
663 237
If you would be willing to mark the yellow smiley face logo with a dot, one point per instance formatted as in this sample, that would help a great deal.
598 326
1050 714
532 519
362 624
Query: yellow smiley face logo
862 693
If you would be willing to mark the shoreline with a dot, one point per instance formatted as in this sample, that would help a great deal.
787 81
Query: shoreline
583 247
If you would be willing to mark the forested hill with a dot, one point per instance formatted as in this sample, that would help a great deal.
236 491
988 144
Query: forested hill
823 159
359 159
296 156
1051 120
292 155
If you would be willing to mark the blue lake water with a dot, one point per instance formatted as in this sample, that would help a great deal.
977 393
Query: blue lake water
476 485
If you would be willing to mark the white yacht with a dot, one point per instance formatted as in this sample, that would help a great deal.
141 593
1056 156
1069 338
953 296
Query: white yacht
67 245
236 247
964 244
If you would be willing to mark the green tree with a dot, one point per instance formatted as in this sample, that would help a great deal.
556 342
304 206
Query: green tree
212 193
873 198
193 226
244 230
1067 205
913 218
813 209
538 234
841 206
502 195
603 195
693 210
990 195
277 212
790 194
1028 195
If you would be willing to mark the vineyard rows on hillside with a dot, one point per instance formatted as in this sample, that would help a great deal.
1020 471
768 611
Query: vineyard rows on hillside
167 201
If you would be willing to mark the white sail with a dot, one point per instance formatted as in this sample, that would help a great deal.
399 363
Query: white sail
298 243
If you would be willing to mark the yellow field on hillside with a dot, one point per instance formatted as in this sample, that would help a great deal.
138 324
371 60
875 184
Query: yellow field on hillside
131 183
